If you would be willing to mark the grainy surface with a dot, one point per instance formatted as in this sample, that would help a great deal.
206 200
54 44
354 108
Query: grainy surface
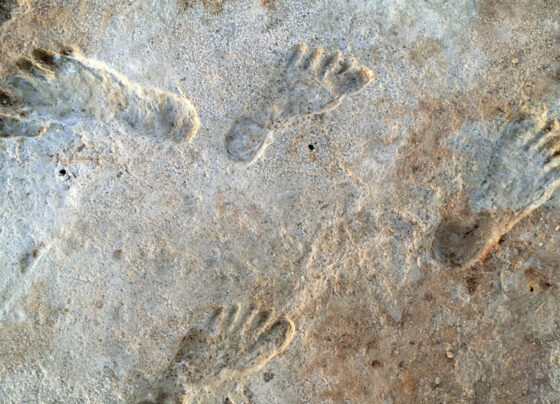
399 246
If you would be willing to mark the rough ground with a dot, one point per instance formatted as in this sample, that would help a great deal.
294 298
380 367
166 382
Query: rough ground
394 240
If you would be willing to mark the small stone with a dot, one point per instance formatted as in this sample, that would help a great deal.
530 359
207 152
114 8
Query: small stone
438 381
449 355
514 61
268 376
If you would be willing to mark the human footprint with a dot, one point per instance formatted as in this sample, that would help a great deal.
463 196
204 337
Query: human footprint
237 341
65 88
522 175
313 81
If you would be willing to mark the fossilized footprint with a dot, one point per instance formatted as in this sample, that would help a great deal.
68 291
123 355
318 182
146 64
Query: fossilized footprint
522 175
314 81
64 88
237 341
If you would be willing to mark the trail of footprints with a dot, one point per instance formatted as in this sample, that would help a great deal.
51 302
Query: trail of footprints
314 81
236 341
522 175
66 88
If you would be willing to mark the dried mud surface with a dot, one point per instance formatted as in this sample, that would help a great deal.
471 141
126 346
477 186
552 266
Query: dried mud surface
390 236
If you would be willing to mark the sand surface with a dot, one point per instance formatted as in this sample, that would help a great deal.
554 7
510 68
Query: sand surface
279 201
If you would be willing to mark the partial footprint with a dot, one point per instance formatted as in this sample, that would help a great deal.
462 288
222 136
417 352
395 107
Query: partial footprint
237 341
314 81
522 175
65 88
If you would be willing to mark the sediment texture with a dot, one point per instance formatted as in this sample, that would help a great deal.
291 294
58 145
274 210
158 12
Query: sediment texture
279 201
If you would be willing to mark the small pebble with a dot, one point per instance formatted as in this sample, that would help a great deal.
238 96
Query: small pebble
515 61
438 381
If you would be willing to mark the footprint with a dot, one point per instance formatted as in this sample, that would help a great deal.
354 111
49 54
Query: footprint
523 173
64 88
237 341
313 81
